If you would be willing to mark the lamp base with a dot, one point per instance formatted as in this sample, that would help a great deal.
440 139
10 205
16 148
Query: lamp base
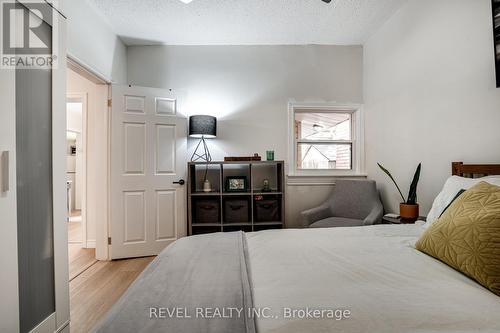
203 154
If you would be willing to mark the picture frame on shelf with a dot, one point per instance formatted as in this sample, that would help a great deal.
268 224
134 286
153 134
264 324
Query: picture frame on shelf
236 184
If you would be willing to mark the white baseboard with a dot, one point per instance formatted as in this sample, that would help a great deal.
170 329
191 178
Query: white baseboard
90 244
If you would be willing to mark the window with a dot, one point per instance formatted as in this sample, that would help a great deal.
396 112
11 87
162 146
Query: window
324 140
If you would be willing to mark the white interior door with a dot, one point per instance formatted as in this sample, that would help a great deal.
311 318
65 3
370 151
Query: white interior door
148 168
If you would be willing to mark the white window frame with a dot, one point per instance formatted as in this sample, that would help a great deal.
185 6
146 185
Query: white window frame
357 133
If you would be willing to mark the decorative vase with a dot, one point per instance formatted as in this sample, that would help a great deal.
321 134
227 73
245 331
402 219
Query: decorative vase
409 212
270 155
207 187
266 187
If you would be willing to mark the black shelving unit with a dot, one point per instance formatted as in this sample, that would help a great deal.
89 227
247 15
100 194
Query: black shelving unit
251 201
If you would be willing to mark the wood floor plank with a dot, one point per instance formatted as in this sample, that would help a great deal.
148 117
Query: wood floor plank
75 227
93 292
74 232
79 259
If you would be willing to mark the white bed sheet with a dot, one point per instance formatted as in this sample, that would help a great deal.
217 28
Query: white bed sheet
375 272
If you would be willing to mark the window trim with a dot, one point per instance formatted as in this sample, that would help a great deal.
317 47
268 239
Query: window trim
357 140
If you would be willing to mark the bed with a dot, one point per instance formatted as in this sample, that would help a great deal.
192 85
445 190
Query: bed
357 279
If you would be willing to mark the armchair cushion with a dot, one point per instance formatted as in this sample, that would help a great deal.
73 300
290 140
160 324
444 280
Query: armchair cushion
316 214
336 222
352 203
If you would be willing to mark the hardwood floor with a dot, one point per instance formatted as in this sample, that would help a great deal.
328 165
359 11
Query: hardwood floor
93 292
79 259
74 232
75 227
94 285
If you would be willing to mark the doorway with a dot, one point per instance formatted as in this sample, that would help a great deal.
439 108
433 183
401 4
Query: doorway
86 167
81 256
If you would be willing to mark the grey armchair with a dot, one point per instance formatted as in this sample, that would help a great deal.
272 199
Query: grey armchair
352 203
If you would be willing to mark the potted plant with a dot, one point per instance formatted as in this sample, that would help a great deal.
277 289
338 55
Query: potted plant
408 209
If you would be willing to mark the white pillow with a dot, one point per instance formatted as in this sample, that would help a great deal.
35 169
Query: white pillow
450 190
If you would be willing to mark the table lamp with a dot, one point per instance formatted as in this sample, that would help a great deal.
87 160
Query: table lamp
202 127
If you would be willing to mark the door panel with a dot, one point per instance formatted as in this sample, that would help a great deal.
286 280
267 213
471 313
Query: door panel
35 218
165 106
134 104
135 217
134 151
165 149
166 201
148 154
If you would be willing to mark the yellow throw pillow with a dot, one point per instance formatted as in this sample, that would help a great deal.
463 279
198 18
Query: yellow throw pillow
467 236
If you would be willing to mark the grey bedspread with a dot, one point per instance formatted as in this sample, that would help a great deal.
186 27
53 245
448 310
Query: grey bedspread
198 284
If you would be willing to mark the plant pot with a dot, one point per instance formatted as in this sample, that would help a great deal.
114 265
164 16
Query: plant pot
409 212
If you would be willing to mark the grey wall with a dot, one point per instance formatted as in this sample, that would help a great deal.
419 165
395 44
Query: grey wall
428 82
430 94
92 41
248 89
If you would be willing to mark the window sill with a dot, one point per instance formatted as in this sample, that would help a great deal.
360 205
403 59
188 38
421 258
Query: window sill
320 180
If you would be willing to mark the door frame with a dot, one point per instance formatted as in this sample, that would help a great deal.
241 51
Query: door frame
83 97
61 266
9 288
102 224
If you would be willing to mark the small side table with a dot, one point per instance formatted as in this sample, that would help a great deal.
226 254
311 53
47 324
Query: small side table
391 220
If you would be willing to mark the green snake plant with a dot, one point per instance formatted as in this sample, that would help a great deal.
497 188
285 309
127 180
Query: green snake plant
412 194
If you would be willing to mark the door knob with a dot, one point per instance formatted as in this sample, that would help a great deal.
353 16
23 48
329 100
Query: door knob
180 182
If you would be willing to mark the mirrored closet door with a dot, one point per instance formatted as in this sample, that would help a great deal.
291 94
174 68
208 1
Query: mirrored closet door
31 184
35 218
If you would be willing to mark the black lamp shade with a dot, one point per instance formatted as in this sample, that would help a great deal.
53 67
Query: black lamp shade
202 126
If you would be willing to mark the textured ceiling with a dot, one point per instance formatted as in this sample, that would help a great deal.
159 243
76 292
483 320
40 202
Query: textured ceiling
243 22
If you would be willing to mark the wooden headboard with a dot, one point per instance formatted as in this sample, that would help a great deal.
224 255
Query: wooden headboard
474 170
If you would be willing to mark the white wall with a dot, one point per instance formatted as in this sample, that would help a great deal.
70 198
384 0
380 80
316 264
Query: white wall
248 88
92 41
74 117
430 94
